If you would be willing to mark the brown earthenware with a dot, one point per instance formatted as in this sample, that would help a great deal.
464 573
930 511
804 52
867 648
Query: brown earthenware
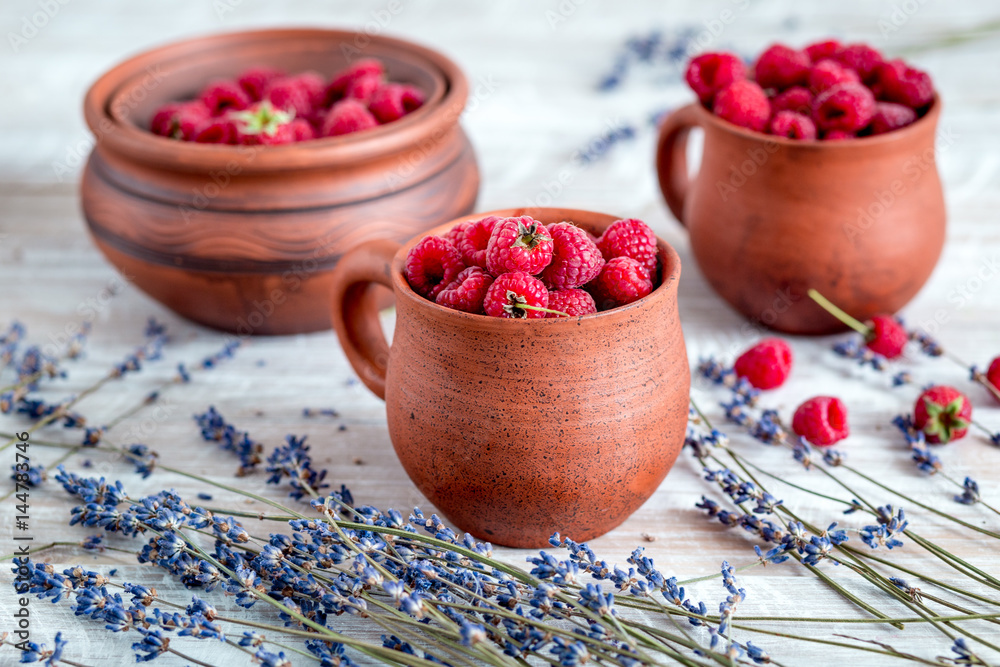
862 221
516 429
244 238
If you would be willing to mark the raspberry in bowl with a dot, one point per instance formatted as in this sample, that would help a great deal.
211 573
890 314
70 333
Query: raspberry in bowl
818 172
516 427
244 237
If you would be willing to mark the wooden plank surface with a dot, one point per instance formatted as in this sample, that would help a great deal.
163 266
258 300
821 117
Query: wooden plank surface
536 107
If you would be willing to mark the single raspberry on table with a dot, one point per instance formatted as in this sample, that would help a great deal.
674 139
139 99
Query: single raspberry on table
993 375
895 81
743 103
848 107
793 126
224 95
766 365
431 265
336 89
630 238
821 421
576 259
254 81
861 58
890 116
511 291
796 98
943 413
573 302
475 240
518 244
300 93
467 291
217 131
886 336
621 281
818 51
180 120
392 101
709 73
828 73
345 117
780 67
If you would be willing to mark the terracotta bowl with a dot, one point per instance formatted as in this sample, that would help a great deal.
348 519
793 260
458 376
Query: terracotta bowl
516 429
244 238
862 221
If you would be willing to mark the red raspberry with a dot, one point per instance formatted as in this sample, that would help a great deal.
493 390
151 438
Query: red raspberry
512 290
943 413
431 265
743 103
822 50
821 421
630 238
890 116
993 375
475 240
897 82
849 107
621 281
345 117
255 81
796 98
887 337
392 101
467 291
573 302
302 130
838 135
711 72
455 235
861 58
766 365
576 259
780 67
300 93
262 124
180 120
828 73
337 87
363 88
224 95
217 131
793 126
518 244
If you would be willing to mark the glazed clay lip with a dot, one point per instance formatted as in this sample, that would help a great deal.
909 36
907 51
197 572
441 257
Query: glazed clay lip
862 220
517 429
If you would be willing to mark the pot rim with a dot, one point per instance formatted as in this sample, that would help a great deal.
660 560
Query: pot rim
706 117
430 121
668 284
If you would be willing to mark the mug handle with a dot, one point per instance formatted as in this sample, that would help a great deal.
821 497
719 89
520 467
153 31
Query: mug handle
671 158
354 310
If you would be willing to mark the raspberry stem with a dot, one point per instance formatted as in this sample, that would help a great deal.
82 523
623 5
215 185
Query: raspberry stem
832 308
539 308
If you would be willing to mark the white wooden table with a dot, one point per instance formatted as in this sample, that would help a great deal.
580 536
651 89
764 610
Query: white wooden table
534 67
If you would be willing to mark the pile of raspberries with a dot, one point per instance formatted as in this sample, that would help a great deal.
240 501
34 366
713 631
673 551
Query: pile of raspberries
520 268
825 91
264 106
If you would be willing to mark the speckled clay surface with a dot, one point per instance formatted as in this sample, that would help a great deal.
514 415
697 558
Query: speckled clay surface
862 221
518 429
